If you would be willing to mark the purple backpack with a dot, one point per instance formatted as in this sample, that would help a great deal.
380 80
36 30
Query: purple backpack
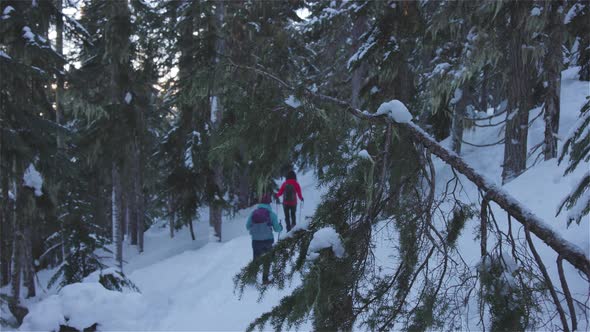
261 228
261 216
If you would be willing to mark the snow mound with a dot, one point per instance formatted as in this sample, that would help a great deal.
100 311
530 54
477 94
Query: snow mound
396 110
81 305
33 180
326 237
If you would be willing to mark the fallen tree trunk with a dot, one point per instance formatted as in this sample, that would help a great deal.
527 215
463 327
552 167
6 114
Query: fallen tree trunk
569 251
527 218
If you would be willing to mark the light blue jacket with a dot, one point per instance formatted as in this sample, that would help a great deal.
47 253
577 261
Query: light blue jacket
275 224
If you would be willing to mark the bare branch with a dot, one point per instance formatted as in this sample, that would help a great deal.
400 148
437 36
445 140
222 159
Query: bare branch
547 280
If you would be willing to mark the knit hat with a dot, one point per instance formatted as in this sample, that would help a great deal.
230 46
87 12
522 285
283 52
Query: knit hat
265 199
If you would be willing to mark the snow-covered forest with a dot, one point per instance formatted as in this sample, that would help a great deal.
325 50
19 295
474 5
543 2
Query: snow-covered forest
442 149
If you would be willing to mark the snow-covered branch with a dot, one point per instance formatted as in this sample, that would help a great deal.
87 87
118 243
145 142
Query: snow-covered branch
569 251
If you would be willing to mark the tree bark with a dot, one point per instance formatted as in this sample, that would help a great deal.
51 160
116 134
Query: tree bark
243 181
59 47
483 100
6 231
133 200
101 202
358 29
519 104
117 45
459 112
124 206
172 215
553 65
569 251
28 267
14 303
18 259
191 229
215 210
139 197
117 217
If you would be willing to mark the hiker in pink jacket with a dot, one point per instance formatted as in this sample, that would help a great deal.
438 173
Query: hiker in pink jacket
292 190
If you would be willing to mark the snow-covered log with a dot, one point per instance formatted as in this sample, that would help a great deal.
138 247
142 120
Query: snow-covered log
569 251
527 218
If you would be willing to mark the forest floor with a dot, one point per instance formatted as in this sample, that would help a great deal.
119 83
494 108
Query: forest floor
185 284
188 285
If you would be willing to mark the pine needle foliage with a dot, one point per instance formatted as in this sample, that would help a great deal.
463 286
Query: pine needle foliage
577 146
461 214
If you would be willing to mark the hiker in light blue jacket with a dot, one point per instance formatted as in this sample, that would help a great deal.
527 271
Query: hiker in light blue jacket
260 224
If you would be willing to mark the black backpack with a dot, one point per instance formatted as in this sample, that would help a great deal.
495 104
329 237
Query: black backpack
289 193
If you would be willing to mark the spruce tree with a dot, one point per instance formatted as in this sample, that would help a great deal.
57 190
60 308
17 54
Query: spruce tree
577 147
27 65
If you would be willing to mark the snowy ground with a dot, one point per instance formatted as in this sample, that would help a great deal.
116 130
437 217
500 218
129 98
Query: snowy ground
540 189
187 285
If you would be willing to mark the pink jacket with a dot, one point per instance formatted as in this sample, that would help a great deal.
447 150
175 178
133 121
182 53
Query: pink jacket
297 190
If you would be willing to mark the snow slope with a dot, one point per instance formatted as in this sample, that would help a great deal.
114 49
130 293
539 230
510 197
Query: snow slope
541 188
187 285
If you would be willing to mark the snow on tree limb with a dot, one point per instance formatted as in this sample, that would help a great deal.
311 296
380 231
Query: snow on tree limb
569 251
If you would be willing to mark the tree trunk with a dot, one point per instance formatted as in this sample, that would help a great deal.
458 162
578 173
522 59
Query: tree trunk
244 189
28 267
457 123
117 45
18 259
567 250
243 181
519 104
359 27
59 47
553 65
460 110
483 99
191 229
172 215
101 199
139 197
117 217
124 207
6 223
14 303
215 211
133 203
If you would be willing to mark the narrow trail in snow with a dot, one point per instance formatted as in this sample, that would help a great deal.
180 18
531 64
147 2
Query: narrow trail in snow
195 289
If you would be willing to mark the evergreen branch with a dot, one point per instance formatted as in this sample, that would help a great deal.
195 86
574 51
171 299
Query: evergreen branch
571 252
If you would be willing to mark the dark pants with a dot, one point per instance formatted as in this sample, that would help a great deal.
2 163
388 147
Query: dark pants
259 248
290 216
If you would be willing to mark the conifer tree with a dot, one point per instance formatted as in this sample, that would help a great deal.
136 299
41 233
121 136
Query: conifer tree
553 67
577 21
27 65
577 146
